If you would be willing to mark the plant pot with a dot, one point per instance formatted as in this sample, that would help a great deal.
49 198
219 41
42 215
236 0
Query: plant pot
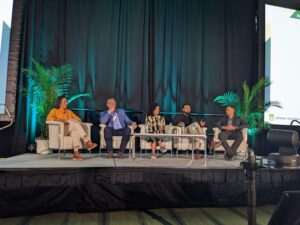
42 146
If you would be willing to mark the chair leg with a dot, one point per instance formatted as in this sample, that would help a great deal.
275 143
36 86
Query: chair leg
59 154
129 153
99 152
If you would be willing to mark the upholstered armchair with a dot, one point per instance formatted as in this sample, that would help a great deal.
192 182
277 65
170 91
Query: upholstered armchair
57 139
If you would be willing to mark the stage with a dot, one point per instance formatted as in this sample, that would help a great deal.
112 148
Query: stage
31 184
51 161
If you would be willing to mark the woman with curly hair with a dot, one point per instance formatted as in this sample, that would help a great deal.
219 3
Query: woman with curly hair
155 124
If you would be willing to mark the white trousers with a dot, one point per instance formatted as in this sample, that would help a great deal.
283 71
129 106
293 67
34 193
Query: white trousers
76 131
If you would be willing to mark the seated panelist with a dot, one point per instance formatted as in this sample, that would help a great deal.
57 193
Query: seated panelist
72 125
231 127
156 124
190 124
117 123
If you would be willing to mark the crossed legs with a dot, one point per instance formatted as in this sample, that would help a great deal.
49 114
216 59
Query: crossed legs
237 136
76 131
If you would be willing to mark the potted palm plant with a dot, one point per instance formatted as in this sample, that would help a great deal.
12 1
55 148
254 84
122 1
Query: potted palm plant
250 106
45 84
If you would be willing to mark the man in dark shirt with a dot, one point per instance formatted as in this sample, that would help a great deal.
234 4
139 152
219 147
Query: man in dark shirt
190 124
186 119
231 127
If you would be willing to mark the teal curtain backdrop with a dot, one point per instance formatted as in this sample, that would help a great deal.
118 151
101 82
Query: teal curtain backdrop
141 51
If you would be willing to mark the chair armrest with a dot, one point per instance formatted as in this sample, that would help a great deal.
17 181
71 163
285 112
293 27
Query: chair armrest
143 128
245 134
87 124
102 141
61 131
217 131
178 129
102 127
131 129
170 129
55 123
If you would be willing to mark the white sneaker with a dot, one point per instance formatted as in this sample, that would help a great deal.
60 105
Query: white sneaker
153 157
163 150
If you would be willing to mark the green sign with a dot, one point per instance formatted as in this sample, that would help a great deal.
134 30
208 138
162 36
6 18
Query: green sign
296 15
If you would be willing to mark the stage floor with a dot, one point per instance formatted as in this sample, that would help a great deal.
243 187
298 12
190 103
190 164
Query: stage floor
29 161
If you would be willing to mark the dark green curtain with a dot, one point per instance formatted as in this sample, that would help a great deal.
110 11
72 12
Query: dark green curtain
141 51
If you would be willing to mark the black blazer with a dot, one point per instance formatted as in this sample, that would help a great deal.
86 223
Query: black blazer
236 121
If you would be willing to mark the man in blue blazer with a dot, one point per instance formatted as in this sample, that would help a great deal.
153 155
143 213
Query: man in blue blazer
231 127
116 122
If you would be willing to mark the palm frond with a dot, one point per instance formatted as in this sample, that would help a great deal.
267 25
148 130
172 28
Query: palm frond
252 106
246 99
74 97
229 98
257 88
45 84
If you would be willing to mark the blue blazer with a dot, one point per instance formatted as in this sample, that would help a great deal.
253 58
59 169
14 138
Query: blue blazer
106 118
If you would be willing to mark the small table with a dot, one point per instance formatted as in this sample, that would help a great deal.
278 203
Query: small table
193 136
